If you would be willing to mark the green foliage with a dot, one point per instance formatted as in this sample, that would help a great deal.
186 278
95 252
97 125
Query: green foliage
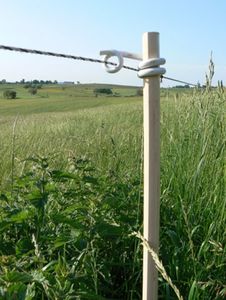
105 91
65 220
192 201
27 85
82 97
60 225
9 94
32 86
139 92
32 90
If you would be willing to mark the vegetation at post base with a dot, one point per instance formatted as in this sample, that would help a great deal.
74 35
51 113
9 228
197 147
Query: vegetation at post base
71 194
9 94
61 232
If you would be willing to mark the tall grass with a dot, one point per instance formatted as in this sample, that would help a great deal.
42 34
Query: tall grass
66 225
193 194
107 136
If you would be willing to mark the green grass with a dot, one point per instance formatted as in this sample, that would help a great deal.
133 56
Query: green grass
60 99
68 211
61 125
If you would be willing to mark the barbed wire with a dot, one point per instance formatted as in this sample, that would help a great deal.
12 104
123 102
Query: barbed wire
82 58
32 51
177 80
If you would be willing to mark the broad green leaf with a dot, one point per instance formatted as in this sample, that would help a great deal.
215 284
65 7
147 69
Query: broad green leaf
4 225
62 240
21 216
61 219
90 179
106 229
17 291
3 197
58 174
15 276
23 246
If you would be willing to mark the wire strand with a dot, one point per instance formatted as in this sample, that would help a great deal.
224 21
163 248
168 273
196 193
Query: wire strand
32 51
176 80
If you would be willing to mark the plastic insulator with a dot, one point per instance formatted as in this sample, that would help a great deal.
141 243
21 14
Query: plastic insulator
150 67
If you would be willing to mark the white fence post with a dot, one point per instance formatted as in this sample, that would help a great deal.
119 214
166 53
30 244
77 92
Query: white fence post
150 70
151 114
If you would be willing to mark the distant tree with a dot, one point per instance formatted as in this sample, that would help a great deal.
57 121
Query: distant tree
28 82
55 82
33 90
103 91
139 92
78 82
186 86
48 82
9 94
35 81
32 86
27 85
22 81
3 81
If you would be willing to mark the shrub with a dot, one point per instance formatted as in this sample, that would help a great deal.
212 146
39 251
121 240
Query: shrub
103 91
139 92
27 85
9 94
33 90
32 86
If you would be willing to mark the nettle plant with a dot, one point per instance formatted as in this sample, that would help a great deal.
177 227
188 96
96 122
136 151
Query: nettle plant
63 231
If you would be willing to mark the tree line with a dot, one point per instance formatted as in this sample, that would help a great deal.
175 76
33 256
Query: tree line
34 82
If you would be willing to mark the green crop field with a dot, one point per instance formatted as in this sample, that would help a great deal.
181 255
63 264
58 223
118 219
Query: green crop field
71 193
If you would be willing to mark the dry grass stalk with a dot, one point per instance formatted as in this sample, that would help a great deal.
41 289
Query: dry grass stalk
158 264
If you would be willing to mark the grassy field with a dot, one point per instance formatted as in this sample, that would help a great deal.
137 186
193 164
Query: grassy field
71 194
67 123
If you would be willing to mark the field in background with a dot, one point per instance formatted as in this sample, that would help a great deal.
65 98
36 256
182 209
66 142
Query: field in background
82 192
69 120
62 120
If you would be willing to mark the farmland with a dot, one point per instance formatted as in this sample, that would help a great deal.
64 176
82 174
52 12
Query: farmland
71 193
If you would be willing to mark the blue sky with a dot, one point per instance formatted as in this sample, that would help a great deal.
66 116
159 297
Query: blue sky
189 31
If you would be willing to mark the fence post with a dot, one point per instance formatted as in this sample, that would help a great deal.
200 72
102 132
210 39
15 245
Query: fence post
151 114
